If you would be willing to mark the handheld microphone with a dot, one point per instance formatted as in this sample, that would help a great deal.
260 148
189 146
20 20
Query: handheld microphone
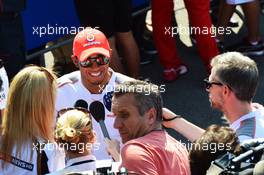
81 103
97 110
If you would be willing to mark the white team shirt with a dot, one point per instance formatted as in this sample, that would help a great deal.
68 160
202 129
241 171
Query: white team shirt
79 164
4 89
23 165
250 126
71 89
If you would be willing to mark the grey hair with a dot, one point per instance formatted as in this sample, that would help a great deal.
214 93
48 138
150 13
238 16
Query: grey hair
146 95
238 72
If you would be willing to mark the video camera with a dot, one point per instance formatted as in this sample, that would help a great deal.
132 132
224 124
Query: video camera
229 164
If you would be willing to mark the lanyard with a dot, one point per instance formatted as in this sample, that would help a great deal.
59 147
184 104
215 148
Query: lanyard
17 162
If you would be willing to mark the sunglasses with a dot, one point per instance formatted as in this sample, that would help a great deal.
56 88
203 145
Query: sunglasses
209 84
99 60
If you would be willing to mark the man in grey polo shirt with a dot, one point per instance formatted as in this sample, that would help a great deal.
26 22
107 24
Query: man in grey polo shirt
231 85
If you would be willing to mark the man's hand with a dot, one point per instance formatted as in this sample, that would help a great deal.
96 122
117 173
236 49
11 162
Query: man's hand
179 124
113 148
168 118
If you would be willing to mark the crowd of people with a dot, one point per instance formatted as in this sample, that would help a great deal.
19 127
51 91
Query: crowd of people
132 112
83 120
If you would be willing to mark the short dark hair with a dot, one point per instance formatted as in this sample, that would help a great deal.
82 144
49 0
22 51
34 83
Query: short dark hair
201 158
239 72
146 95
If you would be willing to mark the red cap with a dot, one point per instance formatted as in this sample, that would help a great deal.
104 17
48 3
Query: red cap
90 41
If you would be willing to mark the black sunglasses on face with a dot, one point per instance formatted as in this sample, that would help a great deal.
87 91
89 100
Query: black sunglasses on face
209 84
99 60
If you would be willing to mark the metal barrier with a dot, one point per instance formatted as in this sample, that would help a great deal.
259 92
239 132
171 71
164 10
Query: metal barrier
43 21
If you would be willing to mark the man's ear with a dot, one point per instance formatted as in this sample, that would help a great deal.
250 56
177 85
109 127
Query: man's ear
151 115
226 89
75 60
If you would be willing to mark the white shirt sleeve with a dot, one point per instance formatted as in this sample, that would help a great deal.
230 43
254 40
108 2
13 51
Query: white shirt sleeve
4 88
243 138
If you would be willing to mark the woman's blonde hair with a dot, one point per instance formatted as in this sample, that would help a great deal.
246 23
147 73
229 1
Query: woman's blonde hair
74 127
29 113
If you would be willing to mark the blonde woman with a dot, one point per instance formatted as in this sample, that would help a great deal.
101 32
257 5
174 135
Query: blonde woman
27 142
75 134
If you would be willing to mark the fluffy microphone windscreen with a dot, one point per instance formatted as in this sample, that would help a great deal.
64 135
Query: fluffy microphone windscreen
81 103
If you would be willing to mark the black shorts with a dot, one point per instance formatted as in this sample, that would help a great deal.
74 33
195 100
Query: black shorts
110 16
